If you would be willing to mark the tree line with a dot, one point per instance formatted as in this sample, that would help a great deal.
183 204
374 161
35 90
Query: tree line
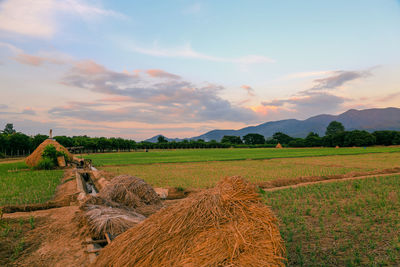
13 143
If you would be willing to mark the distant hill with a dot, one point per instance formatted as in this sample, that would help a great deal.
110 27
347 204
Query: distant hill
154 139
367 119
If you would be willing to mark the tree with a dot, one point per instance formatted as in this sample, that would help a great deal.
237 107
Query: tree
253 139
312 140
359 138
386 138
38 139
9 129
161 139
297 142
282 138
334 127
231 139
20 142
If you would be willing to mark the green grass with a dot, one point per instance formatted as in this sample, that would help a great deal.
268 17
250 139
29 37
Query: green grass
25 186
348 223
207 174
198 155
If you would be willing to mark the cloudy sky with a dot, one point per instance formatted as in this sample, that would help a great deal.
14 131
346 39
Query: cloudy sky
135 69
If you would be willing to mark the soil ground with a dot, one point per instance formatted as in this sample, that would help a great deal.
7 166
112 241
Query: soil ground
55 240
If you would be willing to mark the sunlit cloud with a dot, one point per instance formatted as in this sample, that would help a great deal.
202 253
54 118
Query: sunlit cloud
162 74
116 99
337 79
174 100
248 89
264 109
36 60
28 111
38 18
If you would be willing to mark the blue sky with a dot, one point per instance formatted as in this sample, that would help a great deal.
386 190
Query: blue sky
180 68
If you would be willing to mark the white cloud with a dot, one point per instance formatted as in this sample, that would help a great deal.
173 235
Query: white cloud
27 17
38 18
186 51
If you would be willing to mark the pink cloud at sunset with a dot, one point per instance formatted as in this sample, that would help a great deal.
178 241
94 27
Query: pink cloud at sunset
162 74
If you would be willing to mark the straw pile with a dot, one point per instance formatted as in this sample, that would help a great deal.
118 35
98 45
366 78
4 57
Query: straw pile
224 226
123 203
36 155
132 192
278 145
115 221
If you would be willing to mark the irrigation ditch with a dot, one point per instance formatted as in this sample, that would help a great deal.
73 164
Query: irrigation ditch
89 182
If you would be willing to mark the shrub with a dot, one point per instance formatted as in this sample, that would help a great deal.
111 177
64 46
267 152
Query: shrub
45 164
2 156
50 152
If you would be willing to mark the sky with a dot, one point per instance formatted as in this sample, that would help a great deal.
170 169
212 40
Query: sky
135 69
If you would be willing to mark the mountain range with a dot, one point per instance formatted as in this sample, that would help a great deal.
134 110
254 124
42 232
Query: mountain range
368 119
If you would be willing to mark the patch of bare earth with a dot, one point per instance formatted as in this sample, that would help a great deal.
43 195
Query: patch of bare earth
55 240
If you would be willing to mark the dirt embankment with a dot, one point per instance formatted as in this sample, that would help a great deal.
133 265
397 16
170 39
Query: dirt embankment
54 241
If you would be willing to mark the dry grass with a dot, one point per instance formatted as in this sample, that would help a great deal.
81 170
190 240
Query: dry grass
123 203
224 226
133 193
206 174
102 219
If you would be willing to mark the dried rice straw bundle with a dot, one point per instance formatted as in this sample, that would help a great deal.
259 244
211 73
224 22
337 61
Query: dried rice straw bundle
224 226
34 158
132 192
101 220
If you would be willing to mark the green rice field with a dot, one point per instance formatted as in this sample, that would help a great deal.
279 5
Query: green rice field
347 223
198 155
21 185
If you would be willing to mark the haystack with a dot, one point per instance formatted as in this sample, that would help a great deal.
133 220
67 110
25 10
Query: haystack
100 220
36 155
121 204
228 225
278 145
133 193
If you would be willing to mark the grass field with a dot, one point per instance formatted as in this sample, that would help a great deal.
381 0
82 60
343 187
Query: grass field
199 155
20 185
349 223
206 174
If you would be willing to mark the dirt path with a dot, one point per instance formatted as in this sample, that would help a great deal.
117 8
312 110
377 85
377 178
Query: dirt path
329 181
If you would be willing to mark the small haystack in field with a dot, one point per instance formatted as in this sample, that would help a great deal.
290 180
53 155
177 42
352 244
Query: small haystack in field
133 193
34 158
228 225
100 220
278 145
